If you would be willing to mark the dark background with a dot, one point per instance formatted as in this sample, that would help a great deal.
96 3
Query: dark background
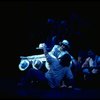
24 26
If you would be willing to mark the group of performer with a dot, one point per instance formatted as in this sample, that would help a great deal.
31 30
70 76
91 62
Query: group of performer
62 69
56 67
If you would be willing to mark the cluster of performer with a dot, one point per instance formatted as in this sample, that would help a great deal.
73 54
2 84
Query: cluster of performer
56 67
62 69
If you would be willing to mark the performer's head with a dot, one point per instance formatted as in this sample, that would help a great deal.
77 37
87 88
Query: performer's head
64 45
91 54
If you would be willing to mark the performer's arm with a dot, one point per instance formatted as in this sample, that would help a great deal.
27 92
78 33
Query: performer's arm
50 58
85 64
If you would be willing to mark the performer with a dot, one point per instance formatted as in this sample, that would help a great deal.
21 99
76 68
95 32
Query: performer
59 67
91 66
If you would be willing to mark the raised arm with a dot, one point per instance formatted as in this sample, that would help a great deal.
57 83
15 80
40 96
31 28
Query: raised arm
85 64
49 57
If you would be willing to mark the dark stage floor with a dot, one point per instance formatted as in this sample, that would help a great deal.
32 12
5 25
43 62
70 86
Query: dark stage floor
9 89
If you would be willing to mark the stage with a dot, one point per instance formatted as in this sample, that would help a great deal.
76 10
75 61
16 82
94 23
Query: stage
9 89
